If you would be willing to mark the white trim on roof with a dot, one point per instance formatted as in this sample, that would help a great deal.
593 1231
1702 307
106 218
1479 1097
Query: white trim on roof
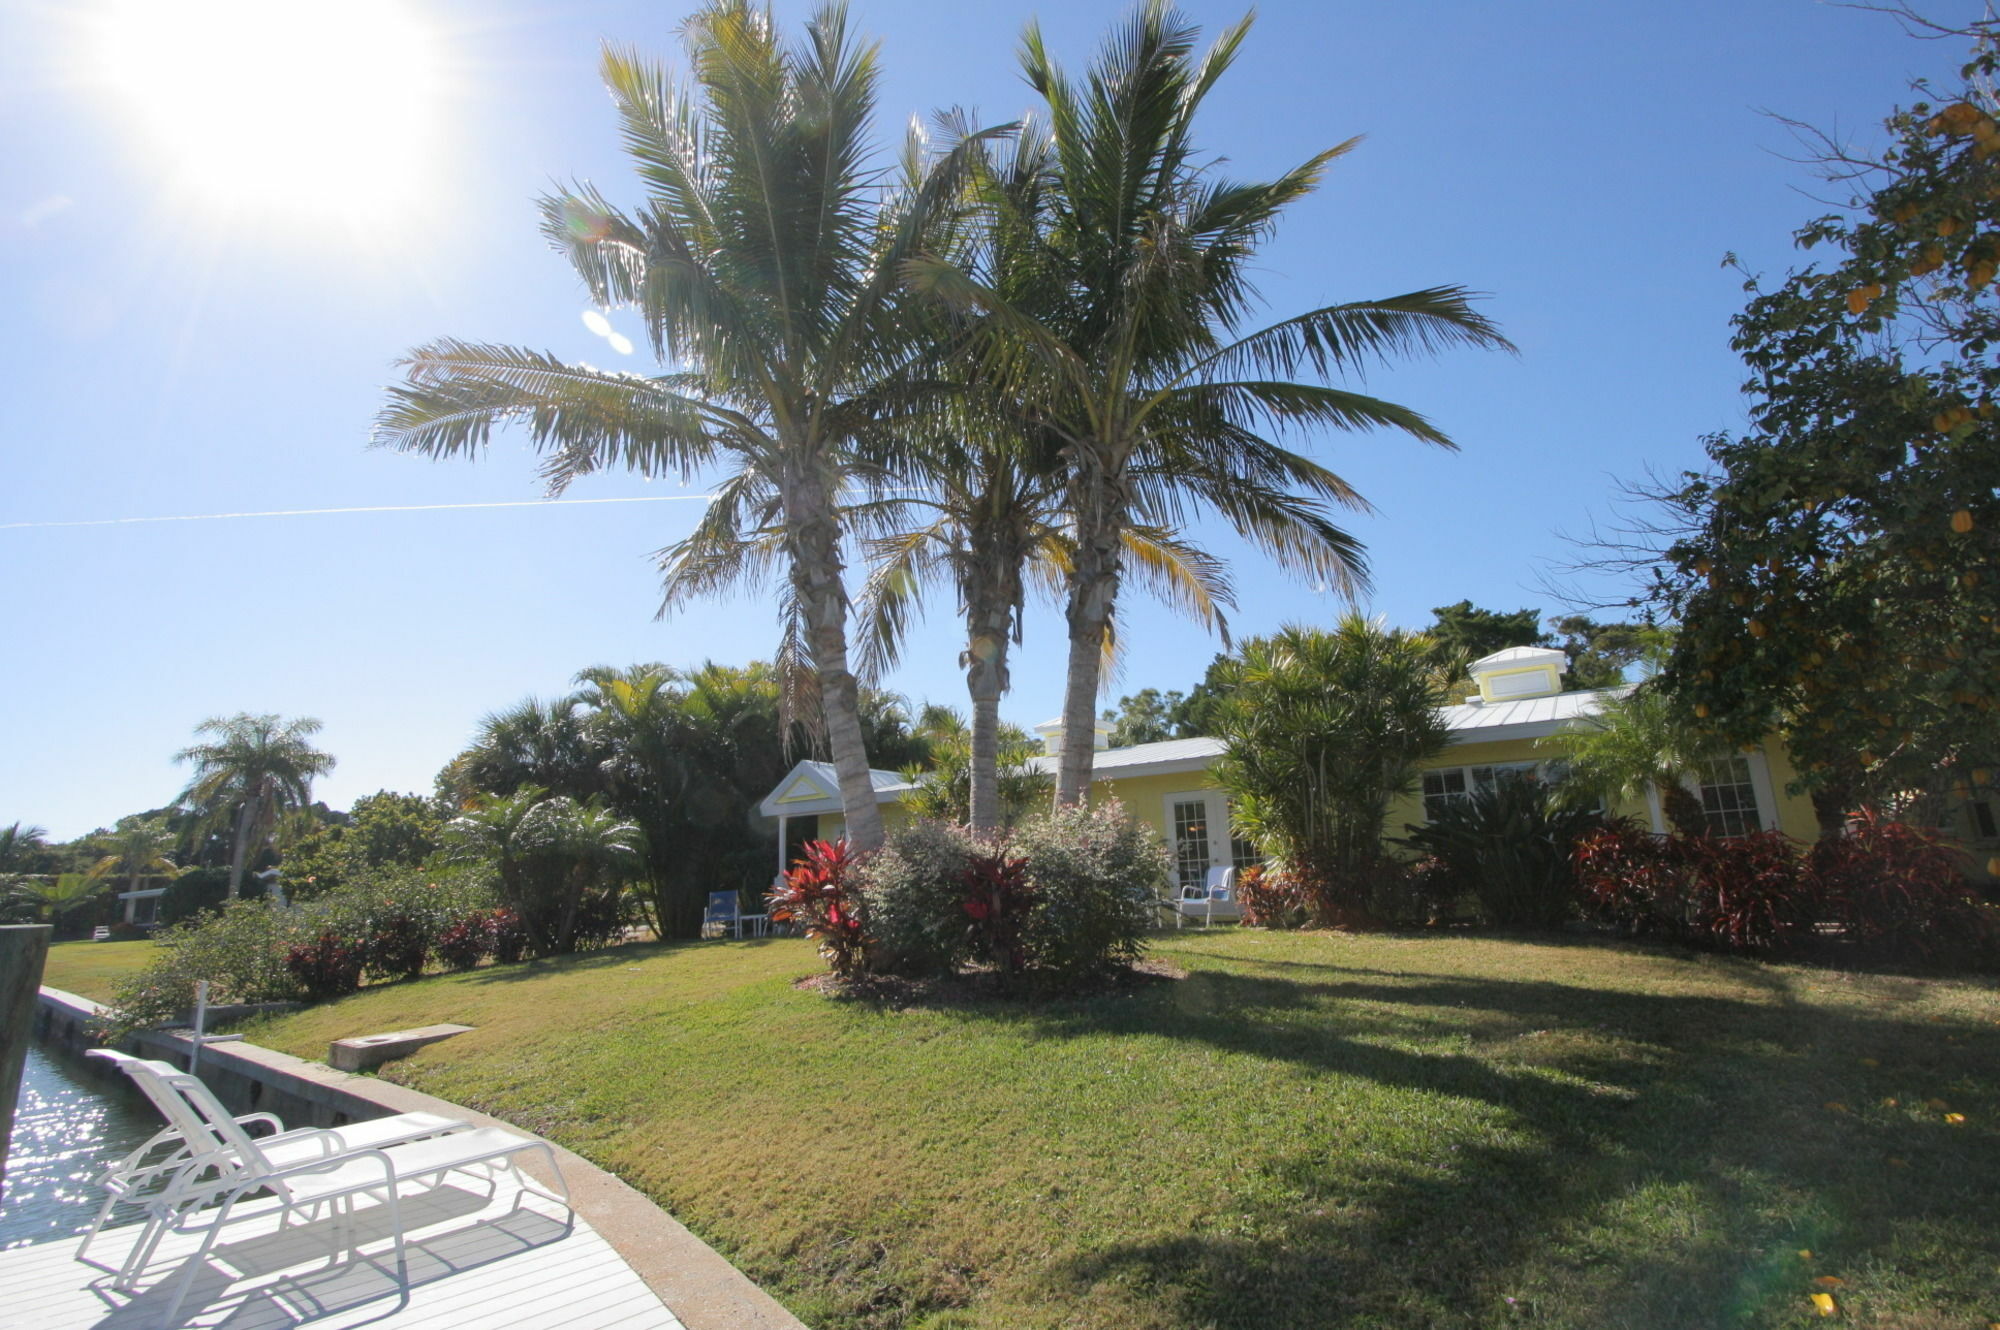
814 787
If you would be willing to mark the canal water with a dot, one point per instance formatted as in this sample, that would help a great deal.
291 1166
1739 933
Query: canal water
66 1129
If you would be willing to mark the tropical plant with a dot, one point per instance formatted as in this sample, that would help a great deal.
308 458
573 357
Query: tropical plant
544 744
946 788
1634 742
766 264
247 775
914 894
22 847
1900 891
1324 728
1509 844
58 894
555 862
1116 326
136 849
1094 873
820 895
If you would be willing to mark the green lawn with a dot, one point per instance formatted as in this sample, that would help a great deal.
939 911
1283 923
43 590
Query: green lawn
95 969
1308 1130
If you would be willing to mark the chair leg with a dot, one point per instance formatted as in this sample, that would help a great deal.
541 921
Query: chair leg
185 1280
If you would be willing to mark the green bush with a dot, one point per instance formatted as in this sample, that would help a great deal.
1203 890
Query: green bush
1094 875
1509 844
914 894
240 949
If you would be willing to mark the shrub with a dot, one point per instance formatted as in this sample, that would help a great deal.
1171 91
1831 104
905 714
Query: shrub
397 942
1094 875
326 967
240 950
1415 893
468 941
1271 897
912 886
1899 891
1739 893
818 894
510 935
1508 844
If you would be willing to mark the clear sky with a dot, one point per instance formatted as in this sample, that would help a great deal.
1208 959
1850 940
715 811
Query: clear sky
214 244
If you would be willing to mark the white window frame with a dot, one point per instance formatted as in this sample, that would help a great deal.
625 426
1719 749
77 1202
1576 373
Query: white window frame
1761 788
1470 782
1215 818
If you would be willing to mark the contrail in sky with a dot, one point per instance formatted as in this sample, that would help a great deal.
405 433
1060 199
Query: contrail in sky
384 508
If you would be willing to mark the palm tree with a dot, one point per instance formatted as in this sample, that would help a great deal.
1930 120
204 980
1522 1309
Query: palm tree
1638 740
21 844
1118 325
993 523
766 265
252 771
58 894
546 744
547 853
135 850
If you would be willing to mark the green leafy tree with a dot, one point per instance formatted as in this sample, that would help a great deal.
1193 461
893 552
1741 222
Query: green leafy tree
59 894
547 853
1638 741
546 744
1601 653
252 769
1325 728
1831 571
1472 632
767 266
1144 717
24 848
1120 328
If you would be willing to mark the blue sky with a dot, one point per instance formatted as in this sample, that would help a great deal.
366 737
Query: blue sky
174 350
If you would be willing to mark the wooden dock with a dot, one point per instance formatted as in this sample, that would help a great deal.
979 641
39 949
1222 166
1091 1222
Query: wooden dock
511 1260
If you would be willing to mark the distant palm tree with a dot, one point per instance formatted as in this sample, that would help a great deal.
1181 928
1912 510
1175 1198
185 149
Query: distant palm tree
1118 324
252 771
766 265
21 844
135 850
546 744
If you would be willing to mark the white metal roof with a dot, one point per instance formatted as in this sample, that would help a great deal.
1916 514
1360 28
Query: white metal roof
1523 718
824 782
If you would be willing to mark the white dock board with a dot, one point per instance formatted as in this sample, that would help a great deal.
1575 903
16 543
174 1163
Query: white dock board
499 1263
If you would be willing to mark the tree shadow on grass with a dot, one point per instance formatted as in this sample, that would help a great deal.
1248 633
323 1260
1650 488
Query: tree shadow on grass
1662 1167
626 953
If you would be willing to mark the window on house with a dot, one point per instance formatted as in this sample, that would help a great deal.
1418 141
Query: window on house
1441 789
1728 796
1191 841
1485 778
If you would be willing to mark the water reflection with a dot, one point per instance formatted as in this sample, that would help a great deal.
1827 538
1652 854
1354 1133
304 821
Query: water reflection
66 1128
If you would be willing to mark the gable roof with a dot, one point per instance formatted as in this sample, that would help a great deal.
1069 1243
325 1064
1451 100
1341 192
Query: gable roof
814 787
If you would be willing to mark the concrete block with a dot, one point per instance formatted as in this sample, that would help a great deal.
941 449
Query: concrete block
371 1050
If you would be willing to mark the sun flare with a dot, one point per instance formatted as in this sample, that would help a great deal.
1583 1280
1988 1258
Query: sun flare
302 108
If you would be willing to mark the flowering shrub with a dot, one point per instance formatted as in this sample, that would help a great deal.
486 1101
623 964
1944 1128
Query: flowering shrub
326 967
997 900
818 895
1271 897
1899 890
510 935
1634 879
398 941
1752 892
240 950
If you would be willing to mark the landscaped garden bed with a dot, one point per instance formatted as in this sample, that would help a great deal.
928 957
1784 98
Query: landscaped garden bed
1309 1129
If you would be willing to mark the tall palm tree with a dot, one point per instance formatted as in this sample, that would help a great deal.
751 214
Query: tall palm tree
251 771
766 264
1119 325
546 744
21 844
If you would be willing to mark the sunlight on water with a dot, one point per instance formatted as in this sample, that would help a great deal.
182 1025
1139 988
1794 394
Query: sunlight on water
66 1128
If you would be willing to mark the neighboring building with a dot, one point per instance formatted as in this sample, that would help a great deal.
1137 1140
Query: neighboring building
1520 705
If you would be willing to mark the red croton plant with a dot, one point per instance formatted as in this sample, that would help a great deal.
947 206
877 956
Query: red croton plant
997 898
817 895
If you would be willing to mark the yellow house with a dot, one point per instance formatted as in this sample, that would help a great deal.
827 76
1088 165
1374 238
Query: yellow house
1505 728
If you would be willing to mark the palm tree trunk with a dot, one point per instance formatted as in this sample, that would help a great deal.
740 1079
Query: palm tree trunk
813 540
992 590
246 818
1683 810
1093 594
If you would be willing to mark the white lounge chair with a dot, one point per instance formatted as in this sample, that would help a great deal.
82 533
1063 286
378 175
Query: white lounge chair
175 1147
227 1166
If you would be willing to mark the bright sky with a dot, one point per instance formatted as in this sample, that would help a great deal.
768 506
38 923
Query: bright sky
221 223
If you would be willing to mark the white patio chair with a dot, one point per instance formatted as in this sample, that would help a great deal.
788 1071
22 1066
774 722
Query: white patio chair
228 1166
1214 899
176 1146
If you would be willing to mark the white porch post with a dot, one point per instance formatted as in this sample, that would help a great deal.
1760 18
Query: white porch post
782 820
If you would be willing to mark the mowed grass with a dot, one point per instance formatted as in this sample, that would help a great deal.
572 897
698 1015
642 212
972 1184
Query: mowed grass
1308 1130
95 969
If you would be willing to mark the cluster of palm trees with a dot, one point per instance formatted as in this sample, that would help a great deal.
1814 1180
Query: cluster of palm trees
1022 355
